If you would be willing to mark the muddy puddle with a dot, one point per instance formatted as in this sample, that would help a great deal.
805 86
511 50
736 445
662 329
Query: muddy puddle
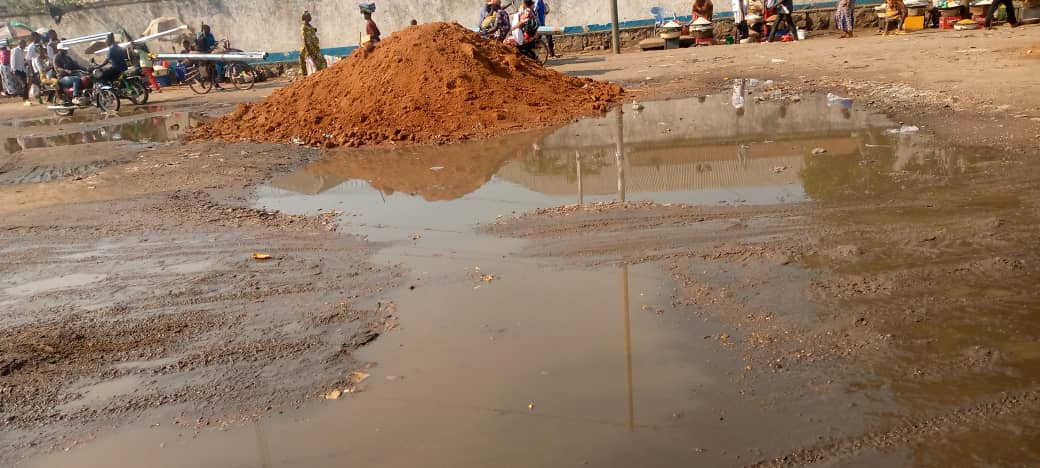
154 129
84 116
502 359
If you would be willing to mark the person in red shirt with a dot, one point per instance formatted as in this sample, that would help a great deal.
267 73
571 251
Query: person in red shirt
370 26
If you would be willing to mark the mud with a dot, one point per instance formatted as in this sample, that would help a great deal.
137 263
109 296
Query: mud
691 283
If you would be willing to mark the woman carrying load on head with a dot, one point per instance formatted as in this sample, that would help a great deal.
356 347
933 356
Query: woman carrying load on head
310 48
844 17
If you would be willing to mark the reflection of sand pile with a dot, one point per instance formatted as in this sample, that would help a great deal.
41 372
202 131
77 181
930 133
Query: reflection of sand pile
433 83
434 172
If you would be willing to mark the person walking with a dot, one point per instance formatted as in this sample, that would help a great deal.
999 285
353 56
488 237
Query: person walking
541 9
311 49
144 58
844 17
370 26
1008 7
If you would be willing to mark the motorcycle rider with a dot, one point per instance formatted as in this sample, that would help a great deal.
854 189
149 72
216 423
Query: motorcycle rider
68 72
115 64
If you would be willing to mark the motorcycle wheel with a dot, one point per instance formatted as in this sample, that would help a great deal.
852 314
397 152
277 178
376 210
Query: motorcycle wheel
107 101
64 112
242 76
138 93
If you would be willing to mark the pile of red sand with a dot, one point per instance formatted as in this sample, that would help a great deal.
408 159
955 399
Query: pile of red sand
434 83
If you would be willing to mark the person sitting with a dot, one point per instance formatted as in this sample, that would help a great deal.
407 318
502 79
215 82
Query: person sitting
43 66
895 10
115 64
68 71
496 25
525 29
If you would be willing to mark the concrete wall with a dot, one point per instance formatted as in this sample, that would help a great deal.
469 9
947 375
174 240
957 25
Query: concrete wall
273 25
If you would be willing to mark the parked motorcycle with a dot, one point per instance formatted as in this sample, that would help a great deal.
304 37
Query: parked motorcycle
92 93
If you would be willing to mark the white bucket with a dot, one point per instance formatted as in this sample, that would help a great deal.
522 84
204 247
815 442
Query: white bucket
802 34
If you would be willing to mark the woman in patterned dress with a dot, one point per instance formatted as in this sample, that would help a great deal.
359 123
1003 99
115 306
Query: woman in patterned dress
844 17
310 48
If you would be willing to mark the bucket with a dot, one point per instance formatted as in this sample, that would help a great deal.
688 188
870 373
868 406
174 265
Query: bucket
802 34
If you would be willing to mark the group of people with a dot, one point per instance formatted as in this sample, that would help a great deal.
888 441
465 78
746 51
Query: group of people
40 61
705 9
518 29
844 16
43 62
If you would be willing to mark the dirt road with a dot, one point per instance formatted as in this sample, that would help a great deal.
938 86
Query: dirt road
881 313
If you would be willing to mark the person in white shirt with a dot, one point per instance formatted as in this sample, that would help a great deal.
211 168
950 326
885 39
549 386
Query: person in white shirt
32 57
18 66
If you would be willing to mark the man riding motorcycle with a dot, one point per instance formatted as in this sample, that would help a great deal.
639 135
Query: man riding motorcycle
116 61
68 72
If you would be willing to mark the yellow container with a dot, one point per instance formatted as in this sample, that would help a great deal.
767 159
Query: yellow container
914 23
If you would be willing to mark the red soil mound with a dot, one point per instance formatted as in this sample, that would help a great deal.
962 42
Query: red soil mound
434 83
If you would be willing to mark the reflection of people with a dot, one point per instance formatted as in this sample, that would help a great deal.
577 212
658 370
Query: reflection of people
844 17
311 49
738 95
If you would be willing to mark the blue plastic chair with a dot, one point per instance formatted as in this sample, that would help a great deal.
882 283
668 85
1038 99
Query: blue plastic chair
659 14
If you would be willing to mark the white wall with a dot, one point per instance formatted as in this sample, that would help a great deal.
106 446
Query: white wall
273 25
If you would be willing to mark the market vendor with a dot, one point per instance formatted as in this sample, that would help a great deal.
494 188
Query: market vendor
702 9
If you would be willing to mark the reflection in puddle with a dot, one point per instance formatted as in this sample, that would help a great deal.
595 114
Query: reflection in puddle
665 153
153 129
82 117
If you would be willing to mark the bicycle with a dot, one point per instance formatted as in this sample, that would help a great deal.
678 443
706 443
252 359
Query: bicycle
198 77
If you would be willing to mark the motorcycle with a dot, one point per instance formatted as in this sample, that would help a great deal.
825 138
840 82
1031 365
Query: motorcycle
93 93
130 85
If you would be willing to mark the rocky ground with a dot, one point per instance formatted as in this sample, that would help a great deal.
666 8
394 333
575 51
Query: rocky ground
130 264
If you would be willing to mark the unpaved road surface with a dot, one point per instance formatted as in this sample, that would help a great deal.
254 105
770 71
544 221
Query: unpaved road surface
889 320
